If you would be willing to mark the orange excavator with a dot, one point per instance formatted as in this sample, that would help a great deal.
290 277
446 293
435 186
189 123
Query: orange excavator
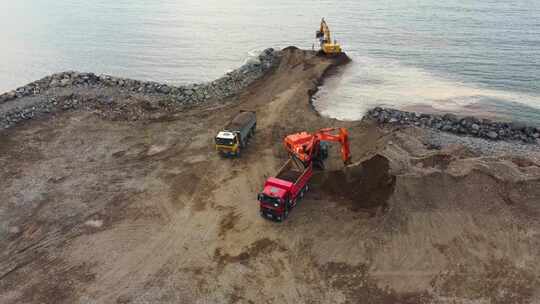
312 148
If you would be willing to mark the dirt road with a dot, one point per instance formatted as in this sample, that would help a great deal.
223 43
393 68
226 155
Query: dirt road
107 211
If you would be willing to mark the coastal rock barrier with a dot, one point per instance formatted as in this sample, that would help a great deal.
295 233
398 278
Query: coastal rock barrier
228 85
472 126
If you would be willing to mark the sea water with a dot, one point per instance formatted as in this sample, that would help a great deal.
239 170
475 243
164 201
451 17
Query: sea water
477 57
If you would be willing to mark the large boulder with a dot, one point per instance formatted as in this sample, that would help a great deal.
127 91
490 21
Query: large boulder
492 135
451 117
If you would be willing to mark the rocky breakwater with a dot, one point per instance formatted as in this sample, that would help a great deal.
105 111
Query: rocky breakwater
471 126
41 97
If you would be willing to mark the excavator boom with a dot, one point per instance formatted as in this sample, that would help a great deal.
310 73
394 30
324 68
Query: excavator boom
326 31
342 137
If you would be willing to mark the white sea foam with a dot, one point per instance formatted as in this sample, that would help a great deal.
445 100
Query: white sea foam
368 82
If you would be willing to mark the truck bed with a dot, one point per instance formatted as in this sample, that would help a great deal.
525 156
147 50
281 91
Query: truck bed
289 175
291 171
239 121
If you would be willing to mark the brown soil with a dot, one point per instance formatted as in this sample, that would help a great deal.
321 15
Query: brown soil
239 121
289 175
104 209
367 185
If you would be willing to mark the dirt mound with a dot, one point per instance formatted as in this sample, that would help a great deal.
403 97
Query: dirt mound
367 185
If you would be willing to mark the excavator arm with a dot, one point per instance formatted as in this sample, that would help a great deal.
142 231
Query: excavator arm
325 30
342 137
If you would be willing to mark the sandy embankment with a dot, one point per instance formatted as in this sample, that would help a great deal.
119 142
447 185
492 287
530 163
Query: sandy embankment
103 208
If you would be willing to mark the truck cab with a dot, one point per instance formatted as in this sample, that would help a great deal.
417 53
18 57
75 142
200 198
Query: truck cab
228 143
236 134
282 192
275 199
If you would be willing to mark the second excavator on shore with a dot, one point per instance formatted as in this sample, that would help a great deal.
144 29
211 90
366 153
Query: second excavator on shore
328 47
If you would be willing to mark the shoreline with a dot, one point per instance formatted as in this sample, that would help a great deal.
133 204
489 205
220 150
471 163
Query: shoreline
75 90
72 90
466 126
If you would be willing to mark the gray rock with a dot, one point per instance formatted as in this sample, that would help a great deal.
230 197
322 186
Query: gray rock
475 127
446 128
64 82
451 117
517 126
107 100
529 131
492 135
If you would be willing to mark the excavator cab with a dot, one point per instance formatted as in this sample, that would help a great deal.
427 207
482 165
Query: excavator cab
312 148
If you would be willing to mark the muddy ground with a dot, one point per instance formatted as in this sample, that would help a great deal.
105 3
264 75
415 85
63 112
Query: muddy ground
101 210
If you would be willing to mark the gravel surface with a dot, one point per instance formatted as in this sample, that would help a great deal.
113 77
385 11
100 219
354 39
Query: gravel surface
484 146
451 123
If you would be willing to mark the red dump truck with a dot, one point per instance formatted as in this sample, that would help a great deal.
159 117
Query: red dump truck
282 192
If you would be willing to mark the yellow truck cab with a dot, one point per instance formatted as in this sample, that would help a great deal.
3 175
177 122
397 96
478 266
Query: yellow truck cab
227 143
234 137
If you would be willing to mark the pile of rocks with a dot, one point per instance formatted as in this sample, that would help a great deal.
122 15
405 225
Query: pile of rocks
48 105
226 86
472 126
